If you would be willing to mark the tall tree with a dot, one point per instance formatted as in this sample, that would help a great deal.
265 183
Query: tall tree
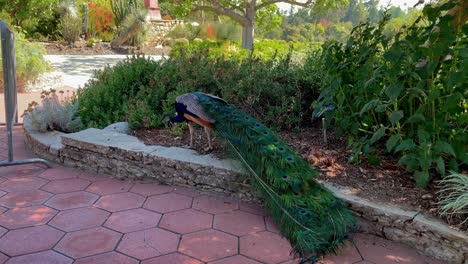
245 12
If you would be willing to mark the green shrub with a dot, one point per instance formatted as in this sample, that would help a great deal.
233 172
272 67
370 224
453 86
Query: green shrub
407 92
71 28
30 62
141 90
265 50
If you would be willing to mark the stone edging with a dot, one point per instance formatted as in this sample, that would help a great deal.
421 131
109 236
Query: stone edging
125 156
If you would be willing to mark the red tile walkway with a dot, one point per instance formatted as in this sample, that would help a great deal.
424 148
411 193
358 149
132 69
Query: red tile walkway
62 215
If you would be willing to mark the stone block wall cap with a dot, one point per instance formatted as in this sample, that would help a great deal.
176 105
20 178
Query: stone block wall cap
120 127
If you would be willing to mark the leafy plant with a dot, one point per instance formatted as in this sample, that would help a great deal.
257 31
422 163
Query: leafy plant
30 62
54 113
455 200
71 28
141 90
407 91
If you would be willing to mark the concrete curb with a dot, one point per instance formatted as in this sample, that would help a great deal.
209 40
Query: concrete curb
126 157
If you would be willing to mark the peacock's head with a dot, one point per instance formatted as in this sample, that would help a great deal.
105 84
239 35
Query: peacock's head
167 121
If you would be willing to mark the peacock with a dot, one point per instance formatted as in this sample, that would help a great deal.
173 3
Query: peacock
310 216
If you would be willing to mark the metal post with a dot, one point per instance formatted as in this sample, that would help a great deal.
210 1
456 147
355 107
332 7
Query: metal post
9 80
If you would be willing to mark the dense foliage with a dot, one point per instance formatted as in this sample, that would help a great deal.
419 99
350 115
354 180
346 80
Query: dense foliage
408 92
30 62
263 50
142 90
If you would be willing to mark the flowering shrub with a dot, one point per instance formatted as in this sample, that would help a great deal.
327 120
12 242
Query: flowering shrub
101 21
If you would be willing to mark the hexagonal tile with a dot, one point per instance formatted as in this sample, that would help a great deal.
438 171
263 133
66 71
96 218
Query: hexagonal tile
148 243
186 191
266 247
252 208
172 258
379 250
3 258
2 209
110 187
2 192
214 205
67 185
235 260
88 242
107 258
168 202
59 173
239 223
120 201
92 177
20 184
347 254
132 220
78 219
148 189
186 221
27 170
209 245
2 231
44 257
24 199
72 200
29 240
27 216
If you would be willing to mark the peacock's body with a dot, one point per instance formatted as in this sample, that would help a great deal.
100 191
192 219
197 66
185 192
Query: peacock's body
311 218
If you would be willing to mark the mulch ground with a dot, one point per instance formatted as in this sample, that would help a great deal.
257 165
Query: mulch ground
386 183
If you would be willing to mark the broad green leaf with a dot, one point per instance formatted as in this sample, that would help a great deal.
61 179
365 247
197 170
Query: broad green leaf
453 165
369 106
406 145
423 136
396 116
444 147
378 135
410 161
393 91
422 178
416 118
381 108
425 162
391 142
440 166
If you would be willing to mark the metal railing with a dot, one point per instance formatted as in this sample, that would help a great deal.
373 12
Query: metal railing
9 81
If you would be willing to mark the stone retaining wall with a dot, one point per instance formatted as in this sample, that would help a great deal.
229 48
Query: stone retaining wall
125 156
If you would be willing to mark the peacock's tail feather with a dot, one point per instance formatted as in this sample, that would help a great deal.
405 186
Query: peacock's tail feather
311 218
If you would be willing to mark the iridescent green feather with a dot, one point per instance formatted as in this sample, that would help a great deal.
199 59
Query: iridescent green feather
311 218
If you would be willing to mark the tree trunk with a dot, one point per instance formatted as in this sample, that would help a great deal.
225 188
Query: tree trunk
248 27
248 36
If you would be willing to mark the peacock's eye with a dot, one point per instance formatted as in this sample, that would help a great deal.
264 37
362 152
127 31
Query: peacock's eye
281 149
289 159
285 177
296 193
247 118
265 133
257 125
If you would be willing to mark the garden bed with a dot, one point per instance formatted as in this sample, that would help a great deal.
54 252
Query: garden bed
386 182
125 156
103 48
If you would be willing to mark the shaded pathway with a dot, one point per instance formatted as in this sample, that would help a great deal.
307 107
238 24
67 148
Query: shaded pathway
63 215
